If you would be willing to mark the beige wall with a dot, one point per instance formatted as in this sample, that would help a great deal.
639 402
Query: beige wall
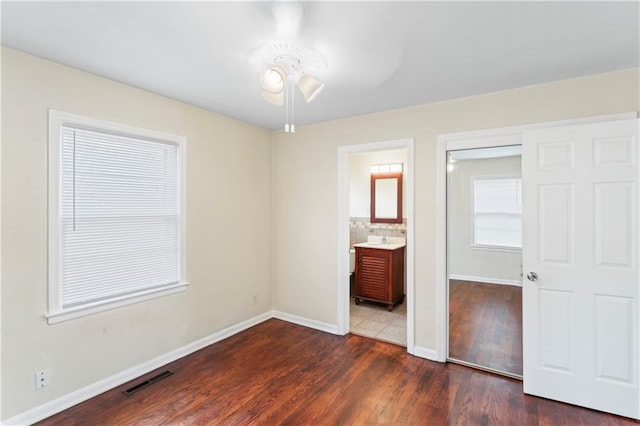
262 214
360 179
463 258
305 173
229 233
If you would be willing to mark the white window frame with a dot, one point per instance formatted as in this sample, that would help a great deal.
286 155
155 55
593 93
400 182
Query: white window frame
57 119
488 247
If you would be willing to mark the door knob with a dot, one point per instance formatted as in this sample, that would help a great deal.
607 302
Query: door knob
532 276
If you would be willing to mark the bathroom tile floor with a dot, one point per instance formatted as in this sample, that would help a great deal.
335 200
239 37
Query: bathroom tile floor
373 320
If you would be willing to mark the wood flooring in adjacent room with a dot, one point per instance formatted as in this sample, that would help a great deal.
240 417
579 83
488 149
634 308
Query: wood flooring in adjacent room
485 325
281 373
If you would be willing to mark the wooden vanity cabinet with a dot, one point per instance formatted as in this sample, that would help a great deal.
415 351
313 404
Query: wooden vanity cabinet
379 275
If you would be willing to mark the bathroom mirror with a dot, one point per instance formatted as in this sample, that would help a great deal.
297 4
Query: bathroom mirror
386 198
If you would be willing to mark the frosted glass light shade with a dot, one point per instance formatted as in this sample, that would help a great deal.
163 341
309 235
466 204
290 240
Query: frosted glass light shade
276 99
273 79
386 168
310 87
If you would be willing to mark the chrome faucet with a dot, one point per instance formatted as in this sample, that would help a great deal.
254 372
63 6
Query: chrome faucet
384 239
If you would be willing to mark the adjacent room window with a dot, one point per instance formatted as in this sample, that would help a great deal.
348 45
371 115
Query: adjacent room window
497 212
116 215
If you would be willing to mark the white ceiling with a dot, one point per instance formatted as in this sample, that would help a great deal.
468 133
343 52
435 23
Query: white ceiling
381 55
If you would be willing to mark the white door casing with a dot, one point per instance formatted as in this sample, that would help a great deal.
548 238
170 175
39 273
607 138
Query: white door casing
580 226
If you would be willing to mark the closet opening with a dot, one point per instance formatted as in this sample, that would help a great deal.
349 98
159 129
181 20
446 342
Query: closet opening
484 258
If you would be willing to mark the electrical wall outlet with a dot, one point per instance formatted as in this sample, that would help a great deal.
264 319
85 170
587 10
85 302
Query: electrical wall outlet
254 299
42 379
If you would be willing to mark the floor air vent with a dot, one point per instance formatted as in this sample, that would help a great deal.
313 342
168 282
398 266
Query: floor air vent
147 382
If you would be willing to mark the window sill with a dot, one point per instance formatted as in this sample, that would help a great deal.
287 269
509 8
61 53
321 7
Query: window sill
81 311
503 249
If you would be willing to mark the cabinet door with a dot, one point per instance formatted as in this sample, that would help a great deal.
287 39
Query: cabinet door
372 276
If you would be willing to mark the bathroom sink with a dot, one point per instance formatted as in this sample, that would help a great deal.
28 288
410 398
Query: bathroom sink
392 243
387 246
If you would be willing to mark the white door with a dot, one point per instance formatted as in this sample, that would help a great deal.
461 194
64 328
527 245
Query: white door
580 316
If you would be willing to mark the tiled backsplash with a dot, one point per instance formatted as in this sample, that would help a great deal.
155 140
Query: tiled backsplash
360 228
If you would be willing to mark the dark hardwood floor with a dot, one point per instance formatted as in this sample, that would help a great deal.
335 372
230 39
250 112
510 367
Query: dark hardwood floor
485 324
281 373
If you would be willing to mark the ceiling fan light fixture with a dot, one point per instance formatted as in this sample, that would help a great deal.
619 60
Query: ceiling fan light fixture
276 99
273 79
310 87
283 64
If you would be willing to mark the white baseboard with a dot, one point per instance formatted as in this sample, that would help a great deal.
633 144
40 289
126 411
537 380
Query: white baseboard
426 353
500 281
76 397
69 400
306 322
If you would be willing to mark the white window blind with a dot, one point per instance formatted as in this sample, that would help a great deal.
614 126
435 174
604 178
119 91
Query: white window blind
119 216
498 212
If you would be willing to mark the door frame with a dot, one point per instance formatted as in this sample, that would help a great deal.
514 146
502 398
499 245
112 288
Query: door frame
501 136
343 230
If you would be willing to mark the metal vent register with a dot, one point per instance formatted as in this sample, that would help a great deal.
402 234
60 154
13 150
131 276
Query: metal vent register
147 382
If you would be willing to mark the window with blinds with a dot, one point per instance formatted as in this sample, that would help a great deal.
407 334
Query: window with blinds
119 223
497 212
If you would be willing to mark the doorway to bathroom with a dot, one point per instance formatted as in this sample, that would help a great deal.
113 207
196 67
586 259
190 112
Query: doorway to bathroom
375 298
377 241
